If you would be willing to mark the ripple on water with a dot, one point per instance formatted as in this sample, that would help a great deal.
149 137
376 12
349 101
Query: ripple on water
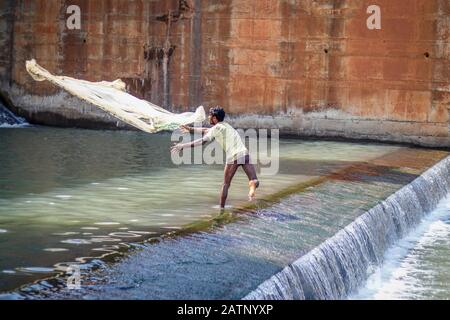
226 207
37 270
142 232
89 228
65 233
100 239
107 248
9 272
76 241
108 223
63 196
125 235
56 249
3 231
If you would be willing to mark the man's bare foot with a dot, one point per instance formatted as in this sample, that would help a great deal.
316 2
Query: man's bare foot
254 184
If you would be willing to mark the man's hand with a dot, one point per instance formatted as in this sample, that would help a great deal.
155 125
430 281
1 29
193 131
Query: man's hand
176 148
185 129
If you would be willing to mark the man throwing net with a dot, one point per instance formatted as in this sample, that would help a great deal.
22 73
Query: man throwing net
230 141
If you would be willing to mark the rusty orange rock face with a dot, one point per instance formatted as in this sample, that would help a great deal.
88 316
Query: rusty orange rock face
306 67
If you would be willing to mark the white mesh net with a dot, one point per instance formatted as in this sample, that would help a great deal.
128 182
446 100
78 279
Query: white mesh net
112 98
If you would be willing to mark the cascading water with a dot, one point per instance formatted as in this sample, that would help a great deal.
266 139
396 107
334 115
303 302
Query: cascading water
341 264
7 118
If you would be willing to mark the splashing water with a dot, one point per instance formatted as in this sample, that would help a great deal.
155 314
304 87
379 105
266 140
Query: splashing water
9 119
418 266
340 265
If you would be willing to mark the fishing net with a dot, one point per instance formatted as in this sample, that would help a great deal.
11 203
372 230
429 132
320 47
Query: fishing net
113 98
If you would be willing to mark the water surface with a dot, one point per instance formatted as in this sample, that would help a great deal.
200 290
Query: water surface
66 194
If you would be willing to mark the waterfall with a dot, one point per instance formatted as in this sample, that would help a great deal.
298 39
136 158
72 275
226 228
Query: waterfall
7 118
342 263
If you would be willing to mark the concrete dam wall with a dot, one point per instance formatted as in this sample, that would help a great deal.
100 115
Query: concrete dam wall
340 68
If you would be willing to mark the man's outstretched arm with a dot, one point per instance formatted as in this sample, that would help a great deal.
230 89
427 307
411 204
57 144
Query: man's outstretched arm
180 146
188 129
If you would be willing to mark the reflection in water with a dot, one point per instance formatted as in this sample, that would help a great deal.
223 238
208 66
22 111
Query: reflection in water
74 193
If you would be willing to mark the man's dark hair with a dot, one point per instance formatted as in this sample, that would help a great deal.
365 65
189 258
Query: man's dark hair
217 112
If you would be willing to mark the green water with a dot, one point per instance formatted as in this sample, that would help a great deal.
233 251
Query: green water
66 194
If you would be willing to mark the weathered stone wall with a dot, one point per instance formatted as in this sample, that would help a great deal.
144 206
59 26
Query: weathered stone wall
6 38
306 67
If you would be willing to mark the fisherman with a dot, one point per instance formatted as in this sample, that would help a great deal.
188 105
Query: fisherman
230 141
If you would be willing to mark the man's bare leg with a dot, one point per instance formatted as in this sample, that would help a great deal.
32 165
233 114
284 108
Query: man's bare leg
229 171
253 183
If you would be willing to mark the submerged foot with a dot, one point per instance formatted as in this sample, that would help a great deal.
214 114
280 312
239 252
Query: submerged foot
254 184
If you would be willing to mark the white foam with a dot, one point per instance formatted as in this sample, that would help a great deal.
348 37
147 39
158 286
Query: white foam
395 276
14 126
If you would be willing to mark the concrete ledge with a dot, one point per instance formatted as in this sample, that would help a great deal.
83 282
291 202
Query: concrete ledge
315 125
64 110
